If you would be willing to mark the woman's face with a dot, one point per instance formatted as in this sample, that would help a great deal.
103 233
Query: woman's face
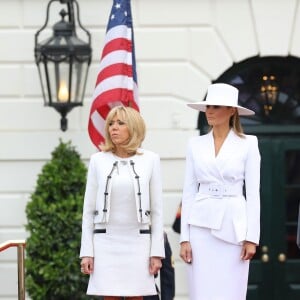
219 115
118 131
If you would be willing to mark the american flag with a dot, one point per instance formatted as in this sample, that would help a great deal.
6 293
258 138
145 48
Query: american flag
117 79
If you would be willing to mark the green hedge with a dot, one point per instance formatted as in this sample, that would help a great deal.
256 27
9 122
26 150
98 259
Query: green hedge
54 224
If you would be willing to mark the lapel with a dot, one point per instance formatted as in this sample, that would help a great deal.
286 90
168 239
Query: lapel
205 159
226 152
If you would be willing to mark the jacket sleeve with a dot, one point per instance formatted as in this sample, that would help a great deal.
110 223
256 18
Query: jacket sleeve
189 190
87 248
252 183
155 193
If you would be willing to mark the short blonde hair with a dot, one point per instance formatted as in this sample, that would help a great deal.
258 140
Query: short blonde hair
136 128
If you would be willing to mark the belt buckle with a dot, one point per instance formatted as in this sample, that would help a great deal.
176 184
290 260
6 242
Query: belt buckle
216 190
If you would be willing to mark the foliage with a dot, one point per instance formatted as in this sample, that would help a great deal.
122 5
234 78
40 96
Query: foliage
54 224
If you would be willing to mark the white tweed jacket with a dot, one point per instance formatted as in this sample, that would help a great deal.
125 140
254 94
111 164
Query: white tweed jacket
146 176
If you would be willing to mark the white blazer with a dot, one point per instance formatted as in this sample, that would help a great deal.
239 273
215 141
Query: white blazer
148 197
231 216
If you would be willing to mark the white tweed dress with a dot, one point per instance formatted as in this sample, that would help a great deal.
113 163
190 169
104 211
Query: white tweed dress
121 262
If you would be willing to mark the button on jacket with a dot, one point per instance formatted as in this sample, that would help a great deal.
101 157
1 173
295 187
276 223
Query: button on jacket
146 177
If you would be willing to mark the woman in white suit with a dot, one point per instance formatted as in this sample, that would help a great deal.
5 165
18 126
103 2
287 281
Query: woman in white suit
220 222
122 226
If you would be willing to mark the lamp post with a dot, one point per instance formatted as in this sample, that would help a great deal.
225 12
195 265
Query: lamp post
63 61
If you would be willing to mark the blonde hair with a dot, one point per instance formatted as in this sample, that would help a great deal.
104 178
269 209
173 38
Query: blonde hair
136 128
235 124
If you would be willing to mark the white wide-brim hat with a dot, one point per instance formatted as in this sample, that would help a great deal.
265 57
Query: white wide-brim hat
222 94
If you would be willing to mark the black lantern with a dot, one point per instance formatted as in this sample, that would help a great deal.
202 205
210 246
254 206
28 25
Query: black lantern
63 61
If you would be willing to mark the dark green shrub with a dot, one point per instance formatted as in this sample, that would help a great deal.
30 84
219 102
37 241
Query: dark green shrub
54 225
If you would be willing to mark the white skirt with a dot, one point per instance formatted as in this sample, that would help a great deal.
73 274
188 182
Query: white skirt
217 271
121 263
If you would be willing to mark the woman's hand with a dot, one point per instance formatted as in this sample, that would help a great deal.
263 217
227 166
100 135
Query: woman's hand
248 250
87 265
155 265
186 252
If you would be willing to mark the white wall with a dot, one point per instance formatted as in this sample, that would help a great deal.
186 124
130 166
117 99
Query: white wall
181 46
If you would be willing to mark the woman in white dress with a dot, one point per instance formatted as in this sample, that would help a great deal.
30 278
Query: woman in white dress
122 225
220 221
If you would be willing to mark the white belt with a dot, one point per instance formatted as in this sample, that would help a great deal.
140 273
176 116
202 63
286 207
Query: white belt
220 190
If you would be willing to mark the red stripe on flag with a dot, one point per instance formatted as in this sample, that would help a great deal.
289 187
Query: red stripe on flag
117 44
123 95
115 69
94 134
